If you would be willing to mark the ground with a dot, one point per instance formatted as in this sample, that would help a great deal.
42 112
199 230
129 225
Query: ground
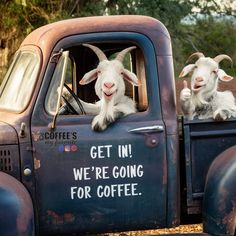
196 228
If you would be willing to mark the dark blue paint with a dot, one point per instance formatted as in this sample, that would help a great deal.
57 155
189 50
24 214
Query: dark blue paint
57 211
9 211
219 207
16 209
204 141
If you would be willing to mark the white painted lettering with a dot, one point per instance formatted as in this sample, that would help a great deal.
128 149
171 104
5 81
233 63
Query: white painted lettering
80 192
93 152
81 173
100 151
101 172
125 151
117 190
130 171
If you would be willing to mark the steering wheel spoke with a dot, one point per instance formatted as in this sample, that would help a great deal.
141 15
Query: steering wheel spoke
70 107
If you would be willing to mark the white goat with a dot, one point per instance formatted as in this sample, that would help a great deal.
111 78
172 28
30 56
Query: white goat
110 88
203 101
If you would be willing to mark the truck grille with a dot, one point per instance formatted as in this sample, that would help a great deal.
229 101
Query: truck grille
5 161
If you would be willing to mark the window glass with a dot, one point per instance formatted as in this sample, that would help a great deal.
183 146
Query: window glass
62 73
17 86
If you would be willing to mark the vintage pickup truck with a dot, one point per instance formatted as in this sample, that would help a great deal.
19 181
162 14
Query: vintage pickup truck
147 170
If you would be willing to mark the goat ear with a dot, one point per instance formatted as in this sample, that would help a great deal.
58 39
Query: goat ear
187 69
223 76
89 77
131 77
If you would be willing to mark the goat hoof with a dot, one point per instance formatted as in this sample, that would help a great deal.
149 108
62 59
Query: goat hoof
97 128
120 114
221 115
218 117
98 125
109 119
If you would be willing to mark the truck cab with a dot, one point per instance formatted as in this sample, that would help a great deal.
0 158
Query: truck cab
63 178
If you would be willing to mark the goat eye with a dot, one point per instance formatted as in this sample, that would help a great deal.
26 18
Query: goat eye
214 71
195 67
121 73
99 72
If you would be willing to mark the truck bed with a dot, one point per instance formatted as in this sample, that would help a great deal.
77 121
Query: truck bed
203 141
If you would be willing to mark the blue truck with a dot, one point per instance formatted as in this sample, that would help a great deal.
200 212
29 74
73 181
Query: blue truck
148 170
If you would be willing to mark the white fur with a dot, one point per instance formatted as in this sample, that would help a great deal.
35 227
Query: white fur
108 108
203 101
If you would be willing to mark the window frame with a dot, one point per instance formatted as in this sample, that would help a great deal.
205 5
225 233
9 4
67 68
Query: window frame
150 61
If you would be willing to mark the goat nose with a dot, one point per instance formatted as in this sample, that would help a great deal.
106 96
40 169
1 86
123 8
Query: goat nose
199 79
108 85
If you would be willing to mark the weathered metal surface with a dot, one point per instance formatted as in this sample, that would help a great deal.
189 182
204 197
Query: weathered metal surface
9 150
10 160
138 199
204 141
219 207
16 215
173 181
8 134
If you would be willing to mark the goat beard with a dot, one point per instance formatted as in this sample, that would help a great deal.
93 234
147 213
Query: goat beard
199 99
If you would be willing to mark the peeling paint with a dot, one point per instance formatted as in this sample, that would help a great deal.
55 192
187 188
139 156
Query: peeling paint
57 219
230 219
37 164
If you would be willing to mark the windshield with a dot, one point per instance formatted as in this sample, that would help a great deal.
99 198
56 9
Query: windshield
17 86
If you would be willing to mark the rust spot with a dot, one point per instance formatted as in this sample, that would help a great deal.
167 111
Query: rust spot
36 136
57 219
229 219
164 177
68 217
37 164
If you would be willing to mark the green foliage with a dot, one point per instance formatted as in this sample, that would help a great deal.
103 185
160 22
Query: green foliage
212 37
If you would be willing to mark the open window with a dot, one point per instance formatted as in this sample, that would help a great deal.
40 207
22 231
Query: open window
82 59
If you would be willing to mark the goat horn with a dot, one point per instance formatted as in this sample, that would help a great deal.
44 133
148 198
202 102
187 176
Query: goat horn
221 57
100 54
120 56
195 54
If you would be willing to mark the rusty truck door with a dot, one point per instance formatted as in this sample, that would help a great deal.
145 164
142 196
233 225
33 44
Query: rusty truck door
114 180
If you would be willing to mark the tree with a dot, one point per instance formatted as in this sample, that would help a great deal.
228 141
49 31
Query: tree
22 16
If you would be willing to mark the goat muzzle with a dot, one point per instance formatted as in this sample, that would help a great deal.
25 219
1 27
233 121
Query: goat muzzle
108 85
198 84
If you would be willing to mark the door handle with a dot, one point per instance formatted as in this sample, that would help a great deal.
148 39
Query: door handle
147 129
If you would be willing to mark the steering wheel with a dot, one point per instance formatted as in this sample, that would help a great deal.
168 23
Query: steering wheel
70 108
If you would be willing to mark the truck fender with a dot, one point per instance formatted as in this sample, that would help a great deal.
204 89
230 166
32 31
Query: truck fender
16 208
219 203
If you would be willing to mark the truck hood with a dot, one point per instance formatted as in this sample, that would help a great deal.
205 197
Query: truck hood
8 134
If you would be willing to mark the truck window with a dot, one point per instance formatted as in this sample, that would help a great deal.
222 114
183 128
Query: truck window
17 86
82 59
